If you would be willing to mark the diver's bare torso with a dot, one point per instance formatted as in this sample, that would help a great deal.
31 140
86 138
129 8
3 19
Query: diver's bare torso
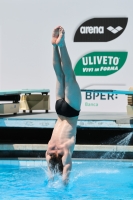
63 136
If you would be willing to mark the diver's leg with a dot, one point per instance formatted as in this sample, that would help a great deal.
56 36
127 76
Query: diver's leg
60 84
60 91
72 90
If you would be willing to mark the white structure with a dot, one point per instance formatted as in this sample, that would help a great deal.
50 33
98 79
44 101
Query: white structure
26 51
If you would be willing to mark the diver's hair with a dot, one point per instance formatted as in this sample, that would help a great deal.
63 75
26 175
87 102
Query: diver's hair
55 163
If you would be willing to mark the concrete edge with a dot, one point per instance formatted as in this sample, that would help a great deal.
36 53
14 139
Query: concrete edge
43 147
74 159
50 123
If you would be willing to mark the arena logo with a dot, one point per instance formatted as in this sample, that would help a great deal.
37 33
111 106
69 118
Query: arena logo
100 29
100 63
92 30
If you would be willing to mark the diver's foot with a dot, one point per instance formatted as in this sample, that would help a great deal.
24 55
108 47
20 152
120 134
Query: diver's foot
61 39
55 35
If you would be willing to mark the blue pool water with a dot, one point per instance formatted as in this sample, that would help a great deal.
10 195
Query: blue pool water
89 180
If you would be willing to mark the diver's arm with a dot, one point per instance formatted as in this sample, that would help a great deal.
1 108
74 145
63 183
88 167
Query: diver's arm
67 166
49 171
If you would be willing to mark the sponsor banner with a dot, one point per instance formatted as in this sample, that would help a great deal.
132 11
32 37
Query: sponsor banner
103 102
100 63
100 29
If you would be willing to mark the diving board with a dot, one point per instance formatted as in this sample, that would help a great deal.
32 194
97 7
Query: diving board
24 91
108 91
25 99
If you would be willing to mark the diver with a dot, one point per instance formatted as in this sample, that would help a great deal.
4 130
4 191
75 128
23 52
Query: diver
68 101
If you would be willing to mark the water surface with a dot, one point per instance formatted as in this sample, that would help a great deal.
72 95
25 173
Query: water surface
89 179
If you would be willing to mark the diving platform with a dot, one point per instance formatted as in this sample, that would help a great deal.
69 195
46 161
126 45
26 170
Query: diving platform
26 134
85 120
38 100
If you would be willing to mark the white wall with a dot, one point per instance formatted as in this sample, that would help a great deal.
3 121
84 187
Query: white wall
26 50
0 57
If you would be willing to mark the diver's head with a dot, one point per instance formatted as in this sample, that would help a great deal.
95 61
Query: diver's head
55 163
